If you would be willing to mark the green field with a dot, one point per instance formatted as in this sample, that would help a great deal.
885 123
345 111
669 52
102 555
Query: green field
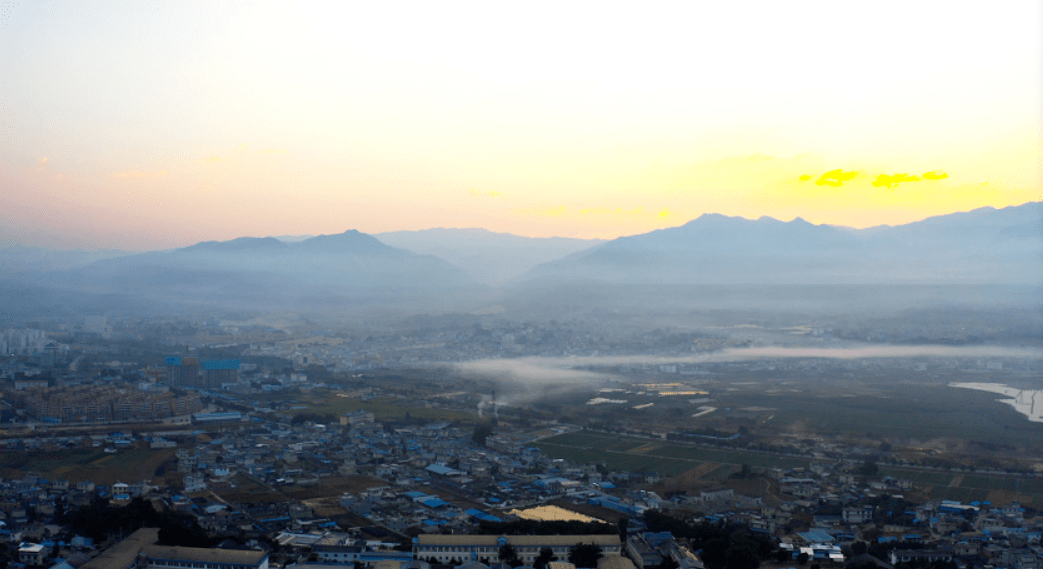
382 408
922 412
131 465
970 487
642 455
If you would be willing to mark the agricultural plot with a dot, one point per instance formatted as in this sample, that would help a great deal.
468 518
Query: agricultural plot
77 465
381 409
640 455
968 488
616 460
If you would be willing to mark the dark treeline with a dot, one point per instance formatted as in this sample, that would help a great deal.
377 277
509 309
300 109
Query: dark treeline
535 527
100 520
720 546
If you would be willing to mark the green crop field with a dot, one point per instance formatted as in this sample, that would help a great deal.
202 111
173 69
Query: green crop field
132 465
642 455
970 487
381 408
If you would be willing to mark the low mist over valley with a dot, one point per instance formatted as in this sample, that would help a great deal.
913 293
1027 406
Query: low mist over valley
714 265
378 285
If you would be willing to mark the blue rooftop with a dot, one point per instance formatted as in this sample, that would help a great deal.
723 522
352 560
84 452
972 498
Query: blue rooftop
221 364
816 536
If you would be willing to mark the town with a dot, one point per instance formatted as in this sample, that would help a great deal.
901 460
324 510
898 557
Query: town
287 451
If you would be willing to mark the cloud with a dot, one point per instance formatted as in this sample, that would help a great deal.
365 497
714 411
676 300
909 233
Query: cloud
138 174
664 213
553 212
885 181
835 178
935 175
805 177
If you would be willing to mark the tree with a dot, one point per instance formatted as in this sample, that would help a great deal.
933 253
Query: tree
509 555
802 558
481 432
623 524
585 555
742 558
546 556
668 563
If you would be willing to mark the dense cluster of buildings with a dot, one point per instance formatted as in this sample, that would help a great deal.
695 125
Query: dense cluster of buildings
102 403
190 372
433 482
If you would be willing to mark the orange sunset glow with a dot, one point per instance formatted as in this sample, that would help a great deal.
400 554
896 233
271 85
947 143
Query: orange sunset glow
159 124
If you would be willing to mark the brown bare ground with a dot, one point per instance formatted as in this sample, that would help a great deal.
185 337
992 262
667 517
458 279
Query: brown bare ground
688 481
333 487
1004 497
591 510
326 507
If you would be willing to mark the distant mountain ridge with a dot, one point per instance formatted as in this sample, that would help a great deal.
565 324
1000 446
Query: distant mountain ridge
349 268
492 258
981 246
711 262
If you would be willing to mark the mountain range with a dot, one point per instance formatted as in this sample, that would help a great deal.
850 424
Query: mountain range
444 270
495 259
977 247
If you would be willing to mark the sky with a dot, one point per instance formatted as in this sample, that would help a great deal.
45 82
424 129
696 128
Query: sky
144 125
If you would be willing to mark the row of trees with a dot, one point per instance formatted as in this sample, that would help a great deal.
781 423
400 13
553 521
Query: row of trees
100 520
720 546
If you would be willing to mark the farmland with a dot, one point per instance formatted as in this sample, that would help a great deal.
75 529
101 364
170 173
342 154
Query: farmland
638 455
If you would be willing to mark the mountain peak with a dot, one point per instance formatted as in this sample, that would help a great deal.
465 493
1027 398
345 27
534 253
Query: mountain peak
350 242
240 244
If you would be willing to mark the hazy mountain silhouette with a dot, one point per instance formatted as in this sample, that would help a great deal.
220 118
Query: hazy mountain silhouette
490 258
351 268
979 247
985 257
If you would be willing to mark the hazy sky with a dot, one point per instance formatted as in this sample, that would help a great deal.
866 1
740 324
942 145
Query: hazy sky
156 124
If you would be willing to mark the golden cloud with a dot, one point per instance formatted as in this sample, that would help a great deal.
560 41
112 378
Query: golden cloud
935 175
805 177
835 178
885 181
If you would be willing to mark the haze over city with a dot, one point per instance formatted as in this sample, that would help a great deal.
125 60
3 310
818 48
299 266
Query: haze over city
394 285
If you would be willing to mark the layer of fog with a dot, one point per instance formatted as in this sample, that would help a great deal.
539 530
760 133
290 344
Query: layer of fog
523 380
